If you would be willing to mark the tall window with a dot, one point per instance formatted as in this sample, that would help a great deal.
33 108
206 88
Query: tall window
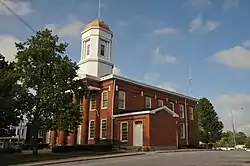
172 106
124 131
93 102
91 129
148 102
103 129
182 115
160 103
182 130
104 99
88 49
191 113
102 50
121 99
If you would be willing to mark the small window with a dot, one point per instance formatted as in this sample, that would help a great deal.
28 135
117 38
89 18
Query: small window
172 106
18 132
124 132
103 129
191 113
121 99
88 49
160 103
93 102
22 133
91 129
182 130
148 102
104 99
182 111
102 50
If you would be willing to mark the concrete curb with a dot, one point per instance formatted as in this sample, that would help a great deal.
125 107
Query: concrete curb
80 159
185 150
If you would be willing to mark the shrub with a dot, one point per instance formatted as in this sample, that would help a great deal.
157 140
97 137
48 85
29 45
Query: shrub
9 150
86 148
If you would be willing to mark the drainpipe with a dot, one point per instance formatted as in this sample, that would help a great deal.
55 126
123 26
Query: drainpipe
112 120
186 119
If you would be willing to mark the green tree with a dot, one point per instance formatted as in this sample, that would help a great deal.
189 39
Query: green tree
240 138
210 127
11 96
47 73
247 144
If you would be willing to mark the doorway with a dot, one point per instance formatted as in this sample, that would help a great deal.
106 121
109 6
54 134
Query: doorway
138 133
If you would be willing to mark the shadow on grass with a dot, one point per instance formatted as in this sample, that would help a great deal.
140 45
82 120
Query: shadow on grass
12 159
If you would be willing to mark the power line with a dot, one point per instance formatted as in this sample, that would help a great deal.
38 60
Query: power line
17 16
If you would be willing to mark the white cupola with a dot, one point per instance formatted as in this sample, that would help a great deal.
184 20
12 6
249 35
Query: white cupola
96 41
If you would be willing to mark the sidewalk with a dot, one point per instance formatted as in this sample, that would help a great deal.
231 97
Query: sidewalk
76 159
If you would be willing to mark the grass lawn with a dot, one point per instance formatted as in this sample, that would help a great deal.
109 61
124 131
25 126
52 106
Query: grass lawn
10 159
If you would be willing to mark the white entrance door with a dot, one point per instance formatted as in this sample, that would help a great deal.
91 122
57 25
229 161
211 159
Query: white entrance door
138 133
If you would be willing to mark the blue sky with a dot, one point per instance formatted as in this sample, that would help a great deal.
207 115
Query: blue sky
154 41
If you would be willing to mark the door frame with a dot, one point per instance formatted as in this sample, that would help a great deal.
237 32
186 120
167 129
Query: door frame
134 133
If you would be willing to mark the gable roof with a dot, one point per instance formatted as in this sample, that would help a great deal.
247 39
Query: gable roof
145 111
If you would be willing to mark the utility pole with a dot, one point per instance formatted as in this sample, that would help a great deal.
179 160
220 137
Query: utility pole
233 127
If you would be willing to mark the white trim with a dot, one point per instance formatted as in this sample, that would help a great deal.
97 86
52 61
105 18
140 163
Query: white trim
186 121
172 103
113 99
150 101
105 119
110 76
182 125
165 108
107 99
94 88
123 122
124 94
89 129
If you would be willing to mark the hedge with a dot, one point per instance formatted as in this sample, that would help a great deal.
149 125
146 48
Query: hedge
86 148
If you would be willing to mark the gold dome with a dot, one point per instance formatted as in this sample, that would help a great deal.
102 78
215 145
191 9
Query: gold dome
98 24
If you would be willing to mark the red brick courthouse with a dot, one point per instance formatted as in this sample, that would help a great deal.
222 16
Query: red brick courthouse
125 110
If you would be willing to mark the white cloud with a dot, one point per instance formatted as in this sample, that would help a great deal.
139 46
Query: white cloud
7 46
152 76
165 31
236 57
239 104
168 86
20 7
163 58
71 30
246 44
228 4
199 4
198 24
117 71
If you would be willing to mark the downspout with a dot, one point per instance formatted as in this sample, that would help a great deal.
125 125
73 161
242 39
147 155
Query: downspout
186 115
112 120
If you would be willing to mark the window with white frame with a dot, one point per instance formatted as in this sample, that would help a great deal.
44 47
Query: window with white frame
93 102
104 99
160 103
87 49
172 106
191 113
121 99
102 51
182 112
147 102
103 129
182 130
91 129
124 131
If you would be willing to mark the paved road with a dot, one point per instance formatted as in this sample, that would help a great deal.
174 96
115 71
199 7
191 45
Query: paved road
226 158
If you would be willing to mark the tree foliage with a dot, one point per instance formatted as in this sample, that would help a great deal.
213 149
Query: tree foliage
11 97
47 73
210 127
228 138
247 144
